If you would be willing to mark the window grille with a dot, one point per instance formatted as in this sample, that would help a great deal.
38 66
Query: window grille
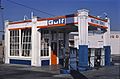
26 42
14 42
44 43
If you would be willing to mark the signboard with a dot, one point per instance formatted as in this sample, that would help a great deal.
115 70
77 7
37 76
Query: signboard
20 25
57 21
97 22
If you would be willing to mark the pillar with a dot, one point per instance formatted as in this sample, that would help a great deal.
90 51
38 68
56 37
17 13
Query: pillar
35 43
7 43
107 47
83 38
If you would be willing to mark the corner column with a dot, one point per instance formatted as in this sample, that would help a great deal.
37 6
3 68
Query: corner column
83 39
107 47
7 43
35 45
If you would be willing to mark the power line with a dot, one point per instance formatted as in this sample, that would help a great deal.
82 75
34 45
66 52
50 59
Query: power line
30 8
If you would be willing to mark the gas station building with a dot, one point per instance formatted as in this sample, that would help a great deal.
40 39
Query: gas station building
45 41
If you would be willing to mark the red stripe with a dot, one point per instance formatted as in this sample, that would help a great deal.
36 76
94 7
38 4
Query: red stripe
105 20
20 22
18 28
97 25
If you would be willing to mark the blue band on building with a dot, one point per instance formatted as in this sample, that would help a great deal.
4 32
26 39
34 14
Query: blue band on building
45 62
83 57
24 62
107 55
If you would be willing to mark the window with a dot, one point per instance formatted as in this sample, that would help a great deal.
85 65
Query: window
112 36
44 43
61 45
26 42
117 36
102 37
14 42
0 43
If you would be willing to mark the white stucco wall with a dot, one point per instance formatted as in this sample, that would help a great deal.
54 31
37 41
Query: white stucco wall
96 41
115 42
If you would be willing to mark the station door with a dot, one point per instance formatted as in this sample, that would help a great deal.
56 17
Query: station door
54 53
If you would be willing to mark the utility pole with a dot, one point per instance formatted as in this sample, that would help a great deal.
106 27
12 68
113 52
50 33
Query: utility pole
2 18
2 30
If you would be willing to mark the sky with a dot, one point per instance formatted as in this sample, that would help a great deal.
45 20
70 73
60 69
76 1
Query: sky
15 12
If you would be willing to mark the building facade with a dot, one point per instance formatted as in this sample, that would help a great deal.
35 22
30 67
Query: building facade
115 42
98 40
40 42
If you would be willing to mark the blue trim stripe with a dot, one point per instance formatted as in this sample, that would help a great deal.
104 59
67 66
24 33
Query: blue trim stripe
16 61
45 62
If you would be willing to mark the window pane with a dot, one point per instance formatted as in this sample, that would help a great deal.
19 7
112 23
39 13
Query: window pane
14 42
44 43
26 42
117 36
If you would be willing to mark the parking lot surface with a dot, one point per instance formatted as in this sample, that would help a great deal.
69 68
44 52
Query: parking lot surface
9 71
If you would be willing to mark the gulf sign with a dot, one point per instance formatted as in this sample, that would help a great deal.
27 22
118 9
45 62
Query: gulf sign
57 21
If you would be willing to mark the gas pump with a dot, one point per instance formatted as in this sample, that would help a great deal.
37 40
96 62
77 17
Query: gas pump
70 60
73 58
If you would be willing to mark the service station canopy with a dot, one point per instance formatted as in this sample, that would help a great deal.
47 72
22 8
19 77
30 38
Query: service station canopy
66 22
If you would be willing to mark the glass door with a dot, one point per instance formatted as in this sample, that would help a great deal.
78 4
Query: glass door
53 48
61 48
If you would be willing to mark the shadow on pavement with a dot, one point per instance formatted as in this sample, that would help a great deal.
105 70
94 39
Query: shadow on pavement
77 75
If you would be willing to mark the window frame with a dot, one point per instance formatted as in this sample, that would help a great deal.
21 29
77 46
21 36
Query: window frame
11 39
25 36
44 52
14 43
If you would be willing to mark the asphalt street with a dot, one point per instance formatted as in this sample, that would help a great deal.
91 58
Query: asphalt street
28 72
110 72
8 71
